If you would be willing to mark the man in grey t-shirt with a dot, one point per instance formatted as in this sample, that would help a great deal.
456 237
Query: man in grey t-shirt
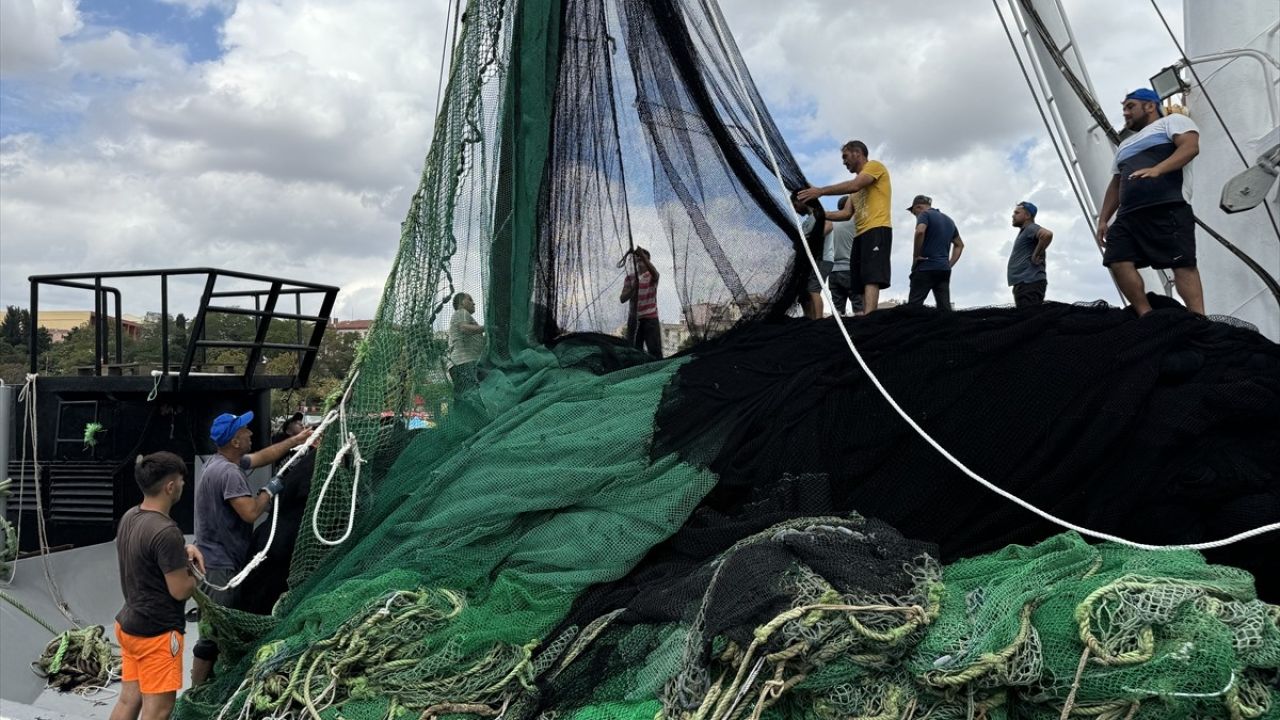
226 509
840 281
1027 275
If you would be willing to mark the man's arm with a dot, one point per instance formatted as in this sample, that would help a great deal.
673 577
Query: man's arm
957 247
842 214
918 252
470 328
653 271
1110 203
251 508
1186 147
846 187
1043 238
628 290
272 453
180 583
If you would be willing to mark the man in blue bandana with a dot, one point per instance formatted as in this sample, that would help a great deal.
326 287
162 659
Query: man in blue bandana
1149 195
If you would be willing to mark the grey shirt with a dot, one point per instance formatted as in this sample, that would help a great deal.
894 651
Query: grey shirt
842 234
464 347
1021 269
223 538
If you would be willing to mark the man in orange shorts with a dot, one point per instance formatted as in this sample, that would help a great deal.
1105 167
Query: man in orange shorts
156 579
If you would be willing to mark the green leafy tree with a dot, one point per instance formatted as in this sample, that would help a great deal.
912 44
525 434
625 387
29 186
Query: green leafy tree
11 328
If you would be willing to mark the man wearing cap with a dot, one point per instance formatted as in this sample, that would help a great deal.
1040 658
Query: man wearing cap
226 509
1026 274
937 249
1149 194
871 200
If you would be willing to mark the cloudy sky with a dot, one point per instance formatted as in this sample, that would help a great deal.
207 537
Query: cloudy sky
286 136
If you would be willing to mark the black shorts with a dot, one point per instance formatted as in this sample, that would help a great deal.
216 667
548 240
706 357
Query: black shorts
869 263
1160 236
815 283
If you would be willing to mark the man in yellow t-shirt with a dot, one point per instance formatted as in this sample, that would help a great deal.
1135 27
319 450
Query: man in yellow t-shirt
871 198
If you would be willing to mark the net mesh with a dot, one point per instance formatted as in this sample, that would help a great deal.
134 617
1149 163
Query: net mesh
579 530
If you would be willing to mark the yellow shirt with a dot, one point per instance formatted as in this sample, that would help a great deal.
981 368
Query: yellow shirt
871 204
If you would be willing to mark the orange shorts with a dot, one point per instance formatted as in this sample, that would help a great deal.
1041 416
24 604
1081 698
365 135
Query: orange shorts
154 662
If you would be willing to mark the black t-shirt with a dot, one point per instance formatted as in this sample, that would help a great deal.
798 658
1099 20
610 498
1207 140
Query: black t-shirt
149 544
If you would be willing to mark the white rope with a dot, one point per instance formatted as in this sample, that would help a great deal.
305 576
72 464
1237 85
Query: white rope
27 396
844 331
351 445
261 555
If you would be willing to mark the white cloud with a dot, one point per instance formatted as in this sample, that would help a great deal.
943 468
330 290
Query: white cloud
30 33
296 151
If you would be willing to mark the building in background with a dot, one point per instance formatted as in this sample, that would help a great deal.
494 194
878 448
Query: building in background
61 322
356 327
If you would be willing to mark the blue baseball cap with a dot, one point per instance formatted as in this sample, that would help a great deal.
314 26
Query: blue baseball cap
226 425
1146 95
1029 207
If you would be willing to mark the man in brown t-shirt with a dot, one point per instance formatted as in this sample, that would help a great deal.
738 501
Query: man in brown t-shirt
156 581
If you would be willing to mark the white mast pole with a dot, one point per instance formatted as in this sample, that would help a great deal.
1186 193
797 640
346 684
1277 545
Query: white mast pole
1243 86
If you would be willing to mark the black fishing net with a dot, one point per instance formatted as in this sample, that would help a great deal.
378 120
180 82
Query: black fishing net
1161 431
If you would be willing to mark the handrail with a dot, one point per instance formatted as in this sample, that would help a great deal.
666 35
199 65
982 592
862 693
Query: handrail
263 314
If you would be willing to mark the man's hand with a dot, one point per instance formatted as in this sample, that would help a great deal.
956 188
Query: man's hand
196 559
1151 172
809 193
302 436
1037 259
1101 237
274 486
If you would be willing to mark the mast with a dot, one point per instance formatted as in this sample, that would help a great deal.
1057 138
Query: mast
1234 55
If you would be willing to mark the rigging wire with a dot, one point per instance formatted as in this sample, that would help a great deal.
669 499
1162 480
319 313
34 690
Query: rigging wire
446 47
1090 219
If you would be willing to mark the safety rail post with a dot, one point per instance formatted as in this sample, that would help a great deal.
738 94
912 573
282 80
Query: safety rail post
197 328
264 323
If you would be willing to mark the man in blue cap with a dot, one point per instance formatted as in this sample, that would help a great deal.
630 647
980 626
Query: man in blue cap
226 509
1027 275
1149 195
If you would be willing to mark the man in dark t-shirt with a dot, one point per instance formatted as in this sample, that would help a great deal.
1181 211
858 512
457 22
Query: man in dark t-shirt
937 249
156 582
268 581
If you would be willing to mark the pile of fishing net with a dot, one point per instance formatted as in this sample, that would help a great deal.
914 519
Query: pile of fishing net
821 617
747 529
875 630
637 533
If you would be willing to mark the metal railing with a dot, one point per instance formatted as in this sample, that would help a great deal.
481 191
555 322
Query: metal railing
265 301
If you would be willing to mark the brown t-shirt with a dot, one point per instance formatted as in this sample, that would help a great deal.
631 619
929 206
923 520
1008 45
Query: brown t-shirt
149 544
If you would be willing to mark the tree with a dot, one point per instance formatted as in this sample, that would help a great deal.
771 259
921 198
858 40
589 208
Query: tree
178 338
15 338
11 328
